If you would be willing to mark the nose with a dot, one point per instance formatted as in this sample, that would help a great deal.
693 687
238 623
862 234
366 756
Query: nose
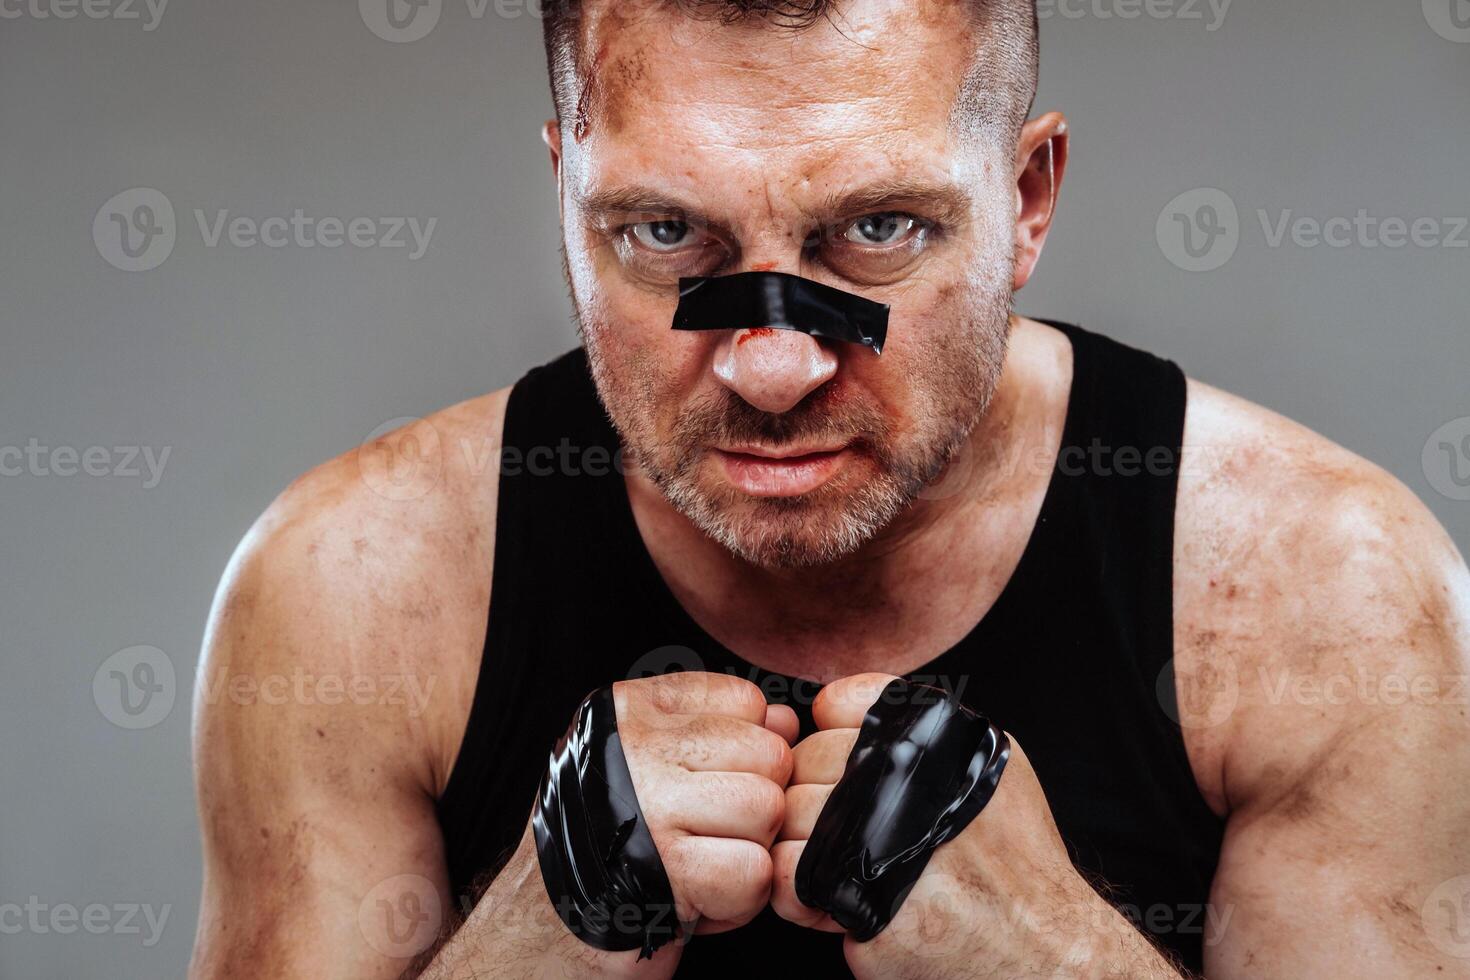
773 370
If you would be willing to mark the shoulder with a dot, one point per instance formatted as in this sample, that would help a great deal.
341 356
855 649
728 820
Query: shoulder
361 595
1313 591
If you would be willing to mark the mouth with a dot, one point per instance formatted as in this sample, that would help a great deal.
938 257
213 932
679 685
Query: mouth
786 472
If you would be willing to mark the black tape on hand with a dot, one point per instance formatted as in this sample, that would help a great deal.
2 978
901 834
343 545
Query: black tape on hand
922 768
785 302
598 860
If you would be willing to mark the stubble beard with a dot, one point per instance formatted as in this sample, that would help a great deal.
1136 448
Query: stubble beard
890 469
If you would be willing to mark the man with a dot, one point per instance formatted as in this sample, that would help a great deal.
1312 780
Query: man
993 504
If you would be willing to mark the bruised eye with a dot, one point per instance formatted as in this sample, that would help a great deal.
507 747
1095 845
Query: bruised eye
663 236
886 228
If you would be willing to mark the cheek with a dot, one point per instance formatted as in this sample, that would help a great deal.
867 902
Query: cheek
937 346
612 312
647 371
932 321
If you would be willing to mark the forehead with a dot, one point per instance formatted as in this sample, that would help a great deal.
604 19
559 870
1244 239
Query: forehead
867 92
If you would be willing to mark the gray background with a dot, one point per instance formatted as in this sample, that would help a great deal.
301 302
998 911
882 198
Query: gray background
252 364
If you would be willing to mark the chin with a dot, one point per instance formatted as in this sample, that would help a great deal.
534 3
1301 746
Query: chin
792 532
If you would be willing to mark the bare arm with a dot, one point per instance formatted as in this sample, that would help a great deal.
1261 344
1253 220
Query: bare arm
1334 616
322 854
339 664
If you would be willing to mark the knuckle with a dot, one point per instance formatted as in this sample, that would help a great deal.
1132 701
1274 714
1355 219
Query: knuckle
692 742
767 802
664 692
751 865
775 756
678 861
785 760
739 693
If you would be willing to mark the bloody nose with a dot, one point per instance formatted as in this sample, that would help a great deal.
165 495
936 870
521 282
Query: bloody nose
772 369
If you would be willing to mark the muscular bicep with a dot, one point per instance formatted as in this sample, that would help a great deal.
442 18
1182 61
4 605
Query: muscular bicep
1337 876
322 854
1323 622
310 873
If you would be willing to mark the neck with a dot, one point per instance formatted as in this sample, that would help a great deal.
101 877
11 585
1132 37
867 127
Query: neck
923 582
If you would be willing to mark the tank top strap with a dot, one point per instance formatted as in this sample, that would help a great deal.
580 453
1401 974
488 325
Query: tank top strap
1117 477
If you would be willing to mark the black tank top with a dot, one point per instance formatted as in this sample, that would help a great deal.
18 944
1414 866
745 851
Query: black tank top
1068 659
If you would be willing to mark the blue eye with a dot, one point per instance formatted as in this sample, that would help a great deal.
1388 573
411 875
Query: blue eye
663 236
886 228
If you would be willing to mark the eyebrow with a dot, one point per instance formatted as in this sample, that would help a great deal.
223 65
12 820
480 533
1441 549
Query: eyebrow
621 202
945 203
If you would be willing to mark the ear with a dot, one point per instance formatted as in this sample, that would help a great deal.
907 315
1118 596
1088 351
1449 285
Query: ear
551 136
1041 162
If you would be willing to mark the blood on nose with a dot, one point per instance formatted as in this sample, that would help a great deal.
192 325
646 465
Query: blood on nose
753 333
773 370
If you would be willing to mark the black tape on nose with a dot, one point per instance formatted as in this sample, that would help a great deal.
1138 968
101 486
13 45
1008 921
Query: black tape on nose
922 768
786 302
598 860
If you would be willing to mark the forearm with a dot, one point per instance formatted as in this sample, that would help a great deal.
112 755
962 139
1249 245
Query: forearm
1067 931
1116 949
514 931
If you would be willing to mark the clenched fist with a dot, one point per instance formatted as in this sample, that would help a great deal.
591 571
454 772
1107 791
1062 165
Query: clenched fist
710 761
1002 899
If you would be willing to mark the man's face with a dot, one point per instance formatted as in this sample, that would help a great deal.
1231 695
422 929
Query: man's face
700 149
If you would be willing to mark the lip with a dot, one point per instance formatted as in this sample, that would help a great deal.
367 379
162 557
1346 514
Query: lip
787 472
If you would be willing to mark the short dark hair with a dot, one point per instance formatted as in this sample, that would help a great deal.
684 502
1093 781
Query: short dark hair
998 89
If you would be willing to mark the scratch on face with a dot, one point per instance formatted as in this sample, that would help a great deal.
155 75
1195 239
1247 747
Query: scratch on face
591 89
753 333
